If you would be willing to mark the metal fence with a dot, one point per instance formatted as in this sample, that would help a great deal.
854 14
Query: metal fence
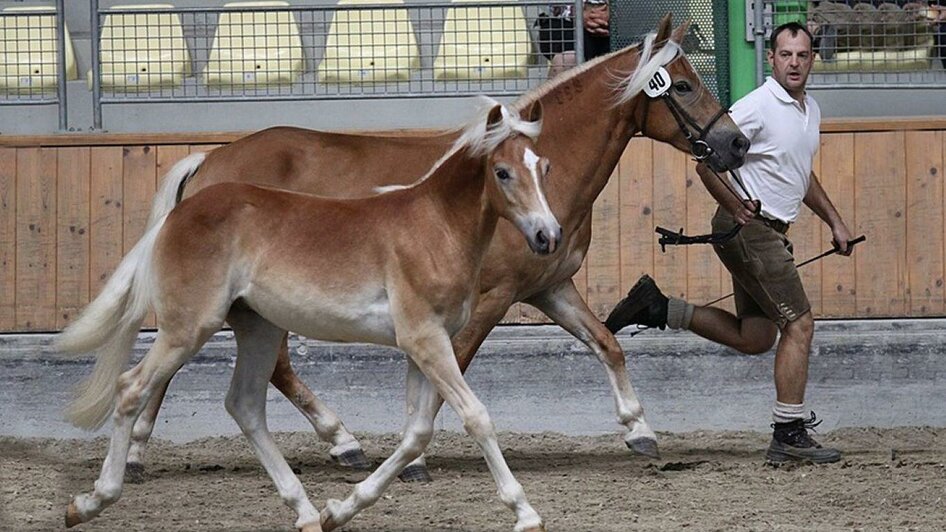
869 43
32 67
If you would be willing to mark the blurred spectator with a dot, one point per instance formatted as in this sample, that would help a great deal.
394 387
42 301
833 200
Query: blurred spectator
557 34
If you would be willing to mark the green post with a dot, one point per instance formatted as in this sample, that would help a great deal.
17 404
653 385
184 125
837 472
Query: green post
741 52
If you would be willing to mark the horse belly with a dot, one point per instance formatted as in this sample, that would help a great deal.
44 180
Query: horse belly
334 317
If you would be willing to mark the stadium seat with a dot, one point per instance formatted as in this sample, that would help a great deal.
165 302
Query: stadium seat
369 45
28 59
483 43
144 50
255 48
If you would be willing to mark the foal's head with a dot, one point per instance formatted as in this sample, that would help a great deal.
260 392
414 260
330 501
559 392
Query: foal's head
677 108
516 176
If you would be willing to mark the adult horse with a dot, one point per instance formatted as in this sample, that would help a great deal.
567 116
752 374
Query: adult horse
591 113
399 269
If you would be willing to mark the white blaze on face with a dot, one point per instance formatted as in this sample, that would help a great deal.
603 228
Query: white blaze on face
531 161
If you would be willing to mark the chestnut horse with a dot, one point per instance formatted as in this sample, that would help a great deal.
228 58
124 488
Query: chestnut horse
591 113
400 268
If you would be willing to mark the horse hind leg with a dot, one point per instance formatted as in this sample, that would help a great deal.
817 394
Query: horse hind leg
140 434
257 344
135 387
346 450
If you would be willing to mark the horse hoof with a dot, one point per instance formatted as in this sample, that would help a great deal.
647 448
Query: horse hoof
311 527
415 473
72 515
645 446
327 521
540 528
135 473
355 459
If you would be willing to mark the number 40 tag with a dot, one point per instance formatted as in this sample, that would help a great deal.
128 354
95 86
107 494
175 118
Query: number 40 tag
658 84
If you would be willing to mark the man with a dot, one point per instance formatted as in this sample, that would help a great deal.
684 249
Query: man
782 122
597 37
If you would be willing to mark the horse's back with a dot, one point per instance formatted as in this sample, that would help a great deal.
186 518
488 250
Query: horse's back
317 162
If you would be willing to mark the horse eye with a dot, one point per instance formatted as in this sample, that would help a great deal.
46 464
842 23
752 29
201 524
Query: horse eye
502 174
682 86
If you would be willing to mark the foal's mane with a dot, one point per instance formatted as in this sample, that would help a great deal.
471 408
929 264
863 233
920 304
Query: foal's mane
477 140
627 84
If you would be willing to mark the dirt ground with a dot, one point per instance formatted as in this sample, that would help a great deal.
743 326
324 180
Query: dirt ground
888 479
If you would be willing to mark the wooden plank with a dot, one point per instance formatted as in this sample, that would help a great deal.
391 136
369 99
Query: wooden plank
924 222
105 209
7 239
855 125
139 170
670 170
704 276
807 241
880 204
72 240
167 157
636 181
838 290
36 239
604 256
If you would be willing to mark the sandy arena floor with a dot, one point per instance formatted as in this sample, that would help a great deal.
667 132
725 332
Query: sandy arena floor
888 479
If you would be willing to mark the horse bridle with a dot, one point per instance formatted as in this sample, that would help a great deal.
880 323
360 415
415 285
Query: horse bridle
701 150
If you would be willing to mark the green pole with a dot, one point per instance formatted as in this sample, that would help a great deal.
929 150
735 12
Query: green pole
741 52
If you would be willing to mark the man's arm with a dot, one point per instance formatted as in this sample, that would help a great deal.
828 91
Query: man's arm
817 200
742 211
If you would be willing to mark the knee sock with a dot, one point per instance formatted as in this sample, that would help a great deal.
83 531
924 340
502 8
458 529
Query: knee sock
679 313
785 413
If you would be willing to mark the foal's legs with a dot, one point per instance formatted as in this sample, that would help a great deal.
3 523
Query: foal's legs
346 449
135 387
431 351
257 344
565 306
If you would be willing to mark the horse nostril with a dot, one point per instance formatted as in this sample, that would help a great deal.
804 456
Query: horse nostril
740 145
542 239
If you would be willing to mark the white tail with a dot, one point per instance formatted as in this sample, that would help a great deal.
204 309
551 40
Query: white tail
109 327
166 197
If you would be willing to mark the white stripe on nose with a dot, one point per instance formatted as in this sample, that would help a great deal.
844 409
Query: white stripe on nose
531 160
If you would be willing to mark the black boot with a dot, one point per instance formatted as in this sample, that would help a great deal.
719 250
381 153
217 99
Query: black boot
644 304
792 443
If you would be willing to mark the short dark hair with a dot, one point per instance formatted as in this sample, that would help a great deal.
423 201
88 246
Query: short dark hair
793 28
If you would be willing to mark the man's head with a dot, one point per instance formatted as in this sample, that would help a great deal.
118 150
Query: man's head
791 57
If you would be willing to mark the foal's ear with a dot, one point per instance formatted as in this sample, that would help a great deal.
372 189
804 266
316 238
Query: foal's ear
534 112
663 28
494 117
680 32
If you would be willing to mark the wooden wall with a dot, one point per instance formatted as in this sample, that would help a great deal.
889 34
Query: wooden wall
70 207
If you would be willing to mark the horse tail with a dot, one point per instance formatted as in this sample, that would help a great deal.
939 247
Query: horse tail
172 186
108 327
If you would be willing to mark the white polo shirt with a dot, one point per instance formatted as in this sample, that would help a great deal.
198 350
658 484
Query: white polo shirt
784 140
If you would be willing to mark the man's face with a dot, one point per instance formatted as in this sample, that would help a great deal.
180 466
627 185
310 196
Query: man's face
791 61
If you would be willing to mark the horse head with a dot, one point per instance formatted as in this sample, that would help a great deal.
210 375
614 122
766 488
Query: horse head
680 110
515 180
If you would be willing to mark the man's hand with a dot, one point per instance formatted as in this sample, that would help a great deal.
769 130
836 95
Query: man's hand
746 210
596 19
841 237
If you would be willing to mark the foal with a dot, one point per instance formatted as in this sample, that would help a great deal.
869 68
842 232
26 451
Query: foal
399 268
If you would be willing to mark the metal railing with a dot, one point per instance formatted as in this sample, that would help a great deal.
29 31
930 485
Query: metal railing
347 51
863 44
33 66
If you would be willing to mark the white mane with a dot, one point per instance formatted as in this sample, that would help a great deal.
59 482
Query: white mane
478 139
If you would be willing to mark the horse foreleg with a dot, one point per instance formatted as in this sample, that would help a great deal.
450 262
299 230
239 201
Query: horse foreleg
345 448
565 306
490 309
417 434
257 345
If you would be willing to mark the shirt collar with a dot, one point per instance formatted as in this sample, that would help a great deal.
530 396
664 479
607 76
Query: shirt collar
779 91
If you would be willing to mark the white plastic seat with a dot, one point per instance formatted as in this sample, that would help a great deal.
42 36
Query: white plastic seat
369 45
483 43
255 48
28 58
144 50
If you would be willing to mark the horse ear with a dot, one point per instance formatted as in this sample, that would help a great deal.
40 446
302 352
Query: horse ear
534 112
495 116
680 32
663 28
